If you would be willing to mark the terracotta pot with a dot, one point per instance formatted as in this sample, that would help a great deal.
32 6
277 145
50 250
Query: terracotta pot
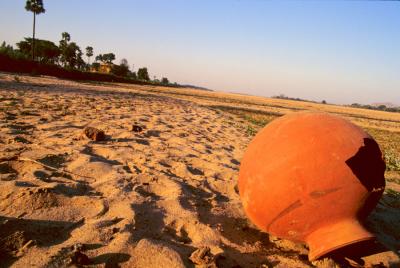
311 177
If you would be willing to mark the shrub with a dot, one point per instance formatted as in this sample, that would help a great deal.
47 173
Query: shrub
392 161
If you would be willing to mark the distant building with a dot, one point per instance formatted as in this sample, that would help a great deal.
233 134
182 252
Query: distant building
101 68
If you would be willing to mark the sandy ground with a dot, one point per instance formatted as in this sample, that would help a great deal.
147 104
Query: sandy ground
137 199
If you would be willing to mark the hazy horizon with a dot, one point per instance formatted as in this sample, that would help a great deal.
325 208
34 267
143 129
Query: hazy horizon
339 51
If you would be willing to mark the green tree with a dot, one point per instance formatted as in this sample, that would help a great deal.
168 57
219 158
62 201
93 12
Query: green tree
109 57
11 52
73 56
125 63
132 75
382 107
46 51
80 63
164 81
143 74
122 69
36 7
106 58
65 38
96 66
71 53
89 53
99 58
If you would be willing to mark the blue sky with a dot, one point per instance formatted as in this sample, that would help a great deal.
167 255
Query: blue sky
339 51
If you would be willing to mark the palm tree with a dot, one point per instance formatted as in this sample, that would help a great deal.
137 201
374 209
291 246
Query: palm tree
89 53
66 37
35 6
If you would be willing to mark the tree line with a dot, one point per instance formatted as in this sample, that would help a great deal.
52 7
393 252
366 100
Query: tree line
67 54
381 107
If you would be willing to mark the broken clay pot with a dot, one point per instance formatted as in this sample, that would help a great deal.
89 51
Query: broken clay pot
312 177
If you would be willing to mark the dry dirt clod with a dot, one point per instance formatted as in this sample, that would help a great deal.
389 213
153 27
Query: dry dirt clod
136 128
7 177
79 247
21 139
94 134
154 253
203 256
79 258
